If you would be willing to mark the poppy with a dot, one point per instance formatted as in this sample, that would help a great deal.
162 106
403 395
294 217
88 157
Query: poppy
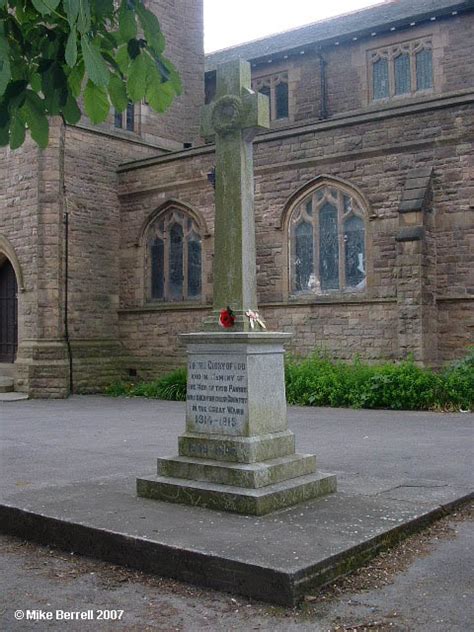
226 318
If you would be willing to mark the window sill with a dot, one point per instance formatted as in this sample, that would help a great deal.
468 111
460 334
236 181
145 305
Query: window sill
166 307
334 299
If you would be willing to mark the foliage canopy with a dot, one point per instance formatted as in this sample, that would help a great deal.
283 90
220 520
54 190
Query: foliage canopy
57 54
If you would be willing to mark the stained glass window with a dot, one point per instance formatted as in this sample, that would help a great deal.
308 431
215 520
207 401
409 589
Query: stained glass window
328 248
118 119
303 256
327 242
175 253
175 257
130 117
157 268
380 78
424 69
354 251
194 265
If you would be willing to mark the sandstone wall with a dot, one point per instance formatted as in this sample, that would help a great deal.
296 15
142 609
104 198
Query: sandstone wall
407 281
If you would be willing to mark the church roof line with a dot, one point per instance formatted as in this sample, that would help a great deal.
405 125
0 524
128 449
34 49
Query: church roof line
383 16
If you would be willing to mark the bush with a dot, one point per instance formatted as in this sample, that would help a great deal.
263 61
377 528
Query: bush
171 386
458 381
319 381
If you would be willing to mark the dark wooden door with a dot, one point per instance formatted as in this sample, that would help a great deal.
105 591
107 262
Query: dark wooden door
8 313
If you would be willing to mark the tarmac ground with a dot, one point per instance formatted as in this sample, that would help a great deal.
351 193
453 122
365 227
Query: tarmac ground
68 471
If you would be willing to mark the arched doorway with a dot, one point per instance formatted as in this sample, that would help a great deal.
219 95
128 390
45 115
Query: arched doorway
8 312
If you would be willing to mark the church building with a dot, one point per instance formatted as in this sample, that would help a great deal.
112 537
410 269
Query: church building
364 204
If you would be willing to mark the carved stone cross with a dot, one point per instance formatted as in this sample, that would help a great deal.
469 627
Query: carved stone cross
234 118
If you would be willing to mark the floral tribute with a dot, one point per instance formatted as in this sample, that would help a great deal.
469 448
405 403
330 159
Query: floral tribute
255 319
226 318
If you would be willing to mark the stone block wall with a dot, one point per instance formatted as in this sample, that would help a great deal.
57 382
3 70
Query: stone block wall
407 283
91 159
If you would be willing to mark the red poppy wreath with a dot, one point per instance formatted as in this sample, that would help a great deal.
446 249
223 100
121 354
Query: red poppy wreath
226 318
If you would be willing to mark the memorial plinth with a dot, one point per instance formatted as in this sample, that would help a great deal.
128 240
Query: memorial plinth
237 453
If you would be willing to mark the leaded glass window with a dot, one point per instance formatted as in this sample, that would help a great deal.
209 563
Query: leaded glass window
401 69
380 79
402 74
424 69
174 258
275 87
281 100
125 119
327 243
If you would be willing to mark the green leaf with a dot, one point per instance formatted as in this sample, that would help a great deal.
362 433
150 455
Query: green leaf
3 4
71 111
17 131
95 65
127 22
71 49
122 58
45 7
118 93
84 17
137 78
151 28
72 11
4 125
35 82
103 8
5 75
160 95
33 113
75 79
96 102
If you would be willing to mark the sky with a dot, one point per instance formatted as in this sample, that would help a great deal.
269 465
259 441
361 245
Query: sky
231 22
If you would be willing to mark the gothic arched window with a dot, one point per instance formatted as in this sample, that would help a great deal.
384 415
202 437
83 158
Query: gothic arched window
174 257
327 242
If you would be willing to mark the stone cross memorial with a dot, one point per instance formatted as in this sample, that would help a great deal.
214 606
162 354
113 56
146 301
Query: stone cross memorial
237 453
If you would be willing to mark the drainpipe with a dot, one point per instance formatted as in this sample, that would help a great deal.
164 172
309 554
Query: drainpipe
66 300
323 110
66 261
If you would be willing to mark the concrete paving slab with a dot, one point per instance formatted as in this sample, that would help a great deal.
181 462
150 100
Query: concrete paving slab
12 396
68 478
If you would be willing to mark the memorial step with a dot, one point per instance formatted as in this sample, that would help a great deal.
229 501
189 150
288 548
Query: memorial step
224 447
249 475
255 502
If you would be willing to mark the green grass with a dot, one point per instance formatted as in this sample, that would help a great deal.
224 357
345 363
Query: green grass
319 381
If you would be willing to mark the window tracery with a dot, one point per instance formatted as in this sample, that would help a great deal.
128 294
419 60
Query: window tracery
276 88
174 257
401 69
326 232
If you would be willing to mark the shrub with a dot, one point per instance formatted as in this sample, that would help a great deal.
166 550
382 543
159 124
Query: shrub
458 381
319 381
171 386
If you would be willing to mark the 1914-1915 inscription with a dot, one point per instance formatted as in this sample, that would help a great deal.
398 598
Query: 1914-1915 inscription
217 395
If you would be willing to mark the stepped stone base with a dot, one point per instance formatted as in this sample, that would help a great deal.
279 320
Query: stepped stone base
254 475
237 453
237 449
255 502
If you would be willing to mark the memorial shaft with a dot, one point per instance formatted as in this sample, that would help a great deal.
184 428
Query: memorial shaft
233 119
